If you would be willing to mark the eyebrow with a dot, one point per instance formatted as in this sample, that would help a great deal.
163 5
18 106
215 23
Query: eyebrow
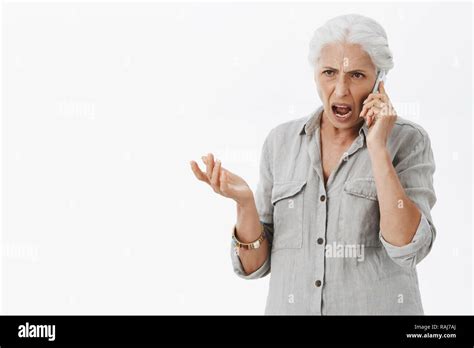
348 72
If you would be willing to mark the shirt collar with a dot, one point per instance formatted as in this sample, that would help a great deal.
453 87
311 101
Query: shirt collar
313 121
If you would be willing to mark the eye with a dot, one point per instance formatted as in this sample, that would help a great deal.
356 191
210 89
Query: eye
328 73
358 75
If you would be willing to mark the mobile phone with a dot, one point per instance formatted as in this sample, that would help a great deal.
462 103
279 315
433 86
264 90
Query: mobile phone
380 77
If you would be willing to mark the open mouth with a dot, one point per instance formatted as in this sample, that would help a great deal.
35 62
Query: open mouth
341 110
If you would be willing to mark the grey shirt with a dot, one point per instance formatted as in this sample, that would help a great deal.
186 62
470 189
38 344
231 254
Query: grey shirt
328 255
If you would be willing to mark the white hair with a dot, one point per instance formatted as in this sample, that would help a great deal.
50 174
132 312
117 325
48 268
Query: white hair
356 29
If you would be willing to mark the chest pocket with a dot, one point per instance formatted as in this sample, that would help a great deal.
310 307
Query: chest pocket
359 218
287 200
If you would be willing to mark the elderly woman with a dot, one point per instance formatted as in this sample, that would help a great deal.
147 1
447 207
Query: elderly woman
341 214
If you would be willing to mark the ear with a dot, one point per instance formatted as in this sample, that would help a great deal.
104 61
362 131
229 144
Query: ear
382 87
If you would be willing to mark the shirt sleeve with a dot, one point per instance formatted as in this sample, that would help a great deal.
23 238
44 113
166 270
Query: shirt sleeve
415 172
260 272
265 211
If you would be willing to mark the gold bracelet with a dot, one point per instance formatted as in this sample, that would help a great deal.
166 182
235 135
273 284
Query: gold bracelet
253 245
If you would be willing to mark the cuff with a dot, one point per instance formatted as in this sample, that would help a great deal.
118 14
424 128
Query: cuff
406 255
239 270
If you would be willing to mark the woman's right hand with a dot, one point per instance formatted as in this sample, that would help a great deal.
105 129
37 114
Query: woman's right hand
223 181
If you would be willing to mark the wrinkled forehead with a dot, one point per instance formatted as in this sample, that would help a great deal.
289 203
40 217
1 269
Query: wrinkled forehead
346 57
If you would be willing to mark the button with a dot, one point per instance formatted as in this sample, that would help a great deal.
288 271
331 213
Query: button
322 198
320 241
317 283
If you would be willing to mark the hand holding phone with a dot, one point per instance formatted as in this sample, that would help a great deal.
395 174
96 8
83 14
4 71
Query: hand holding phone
381 76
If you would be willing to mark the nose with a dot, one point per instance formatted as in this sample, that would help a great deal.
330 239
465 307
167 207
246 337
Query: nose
342 86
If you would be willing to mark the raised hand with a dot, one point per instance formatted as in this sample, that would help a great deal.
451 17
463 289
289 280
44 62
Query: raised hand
222 181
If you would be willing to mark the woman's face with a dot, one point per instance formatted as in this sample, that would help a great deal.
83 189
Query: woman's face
344 74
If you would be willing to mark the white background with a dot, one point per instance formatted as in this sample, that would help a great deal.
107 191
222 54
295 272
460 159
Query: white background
105 104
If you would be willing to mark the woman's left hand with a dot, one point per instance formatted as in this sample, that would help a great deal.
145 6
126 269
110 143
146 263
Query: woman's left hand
380 116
